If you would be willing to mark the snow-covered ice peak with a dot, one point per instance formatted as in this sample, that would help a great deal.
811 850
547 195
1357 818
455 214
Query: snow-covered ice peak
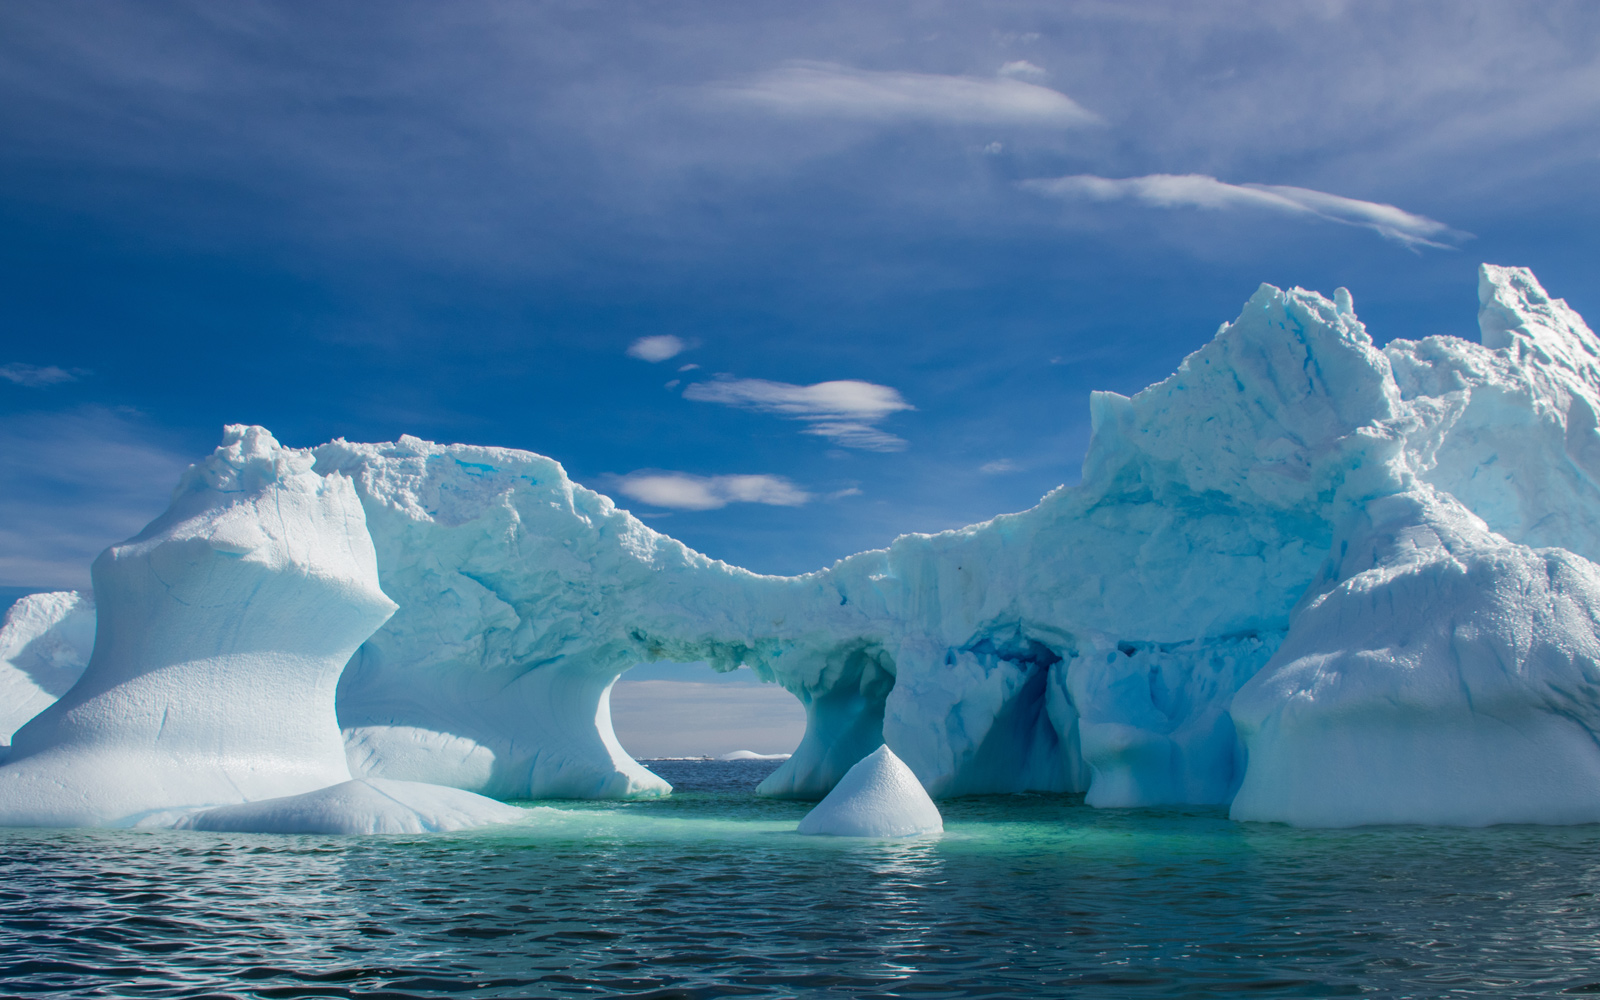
878 797
248 458
1516 314
1509 429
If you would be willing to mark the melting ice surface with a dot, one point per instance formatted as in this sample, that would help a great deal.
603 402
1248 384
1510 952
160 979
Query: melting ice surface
1303 578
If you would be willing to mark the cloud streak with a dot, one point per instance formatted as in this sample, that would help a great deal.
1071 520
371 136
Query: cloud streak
77 481
828 90
657 348
845 412
1203 191
683 491
35 376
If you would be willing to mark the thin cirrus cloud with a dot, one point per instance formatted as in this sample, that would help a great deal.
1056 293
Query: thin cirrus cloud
35 376
657 348
845 412
683 491
1022 69
1202 191
828 90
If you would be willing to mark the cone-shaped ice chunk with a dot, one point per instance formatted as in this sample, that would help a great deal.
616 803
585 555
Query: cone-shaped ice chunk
362 806
879 797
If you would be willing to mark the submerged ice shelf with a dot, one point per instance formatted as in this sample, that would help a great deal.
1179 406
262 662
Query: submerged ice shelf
1327 583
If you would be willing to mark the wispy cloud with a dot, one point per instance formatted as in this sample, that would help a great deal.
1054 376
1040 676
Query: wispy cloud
657 348
36 376
76 482
1022 69
1202 191
683 491
834 91
998 466
845 412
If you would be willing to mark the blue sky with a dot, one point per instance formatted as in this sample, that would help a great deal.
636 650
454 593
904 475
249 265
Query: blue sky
785 280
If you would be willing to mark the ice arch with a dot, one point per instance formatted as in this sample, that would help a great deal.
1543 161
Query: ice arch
1290 518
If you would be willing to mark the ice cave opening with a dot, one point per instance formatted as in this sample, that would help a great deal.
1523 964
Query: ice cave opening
666 710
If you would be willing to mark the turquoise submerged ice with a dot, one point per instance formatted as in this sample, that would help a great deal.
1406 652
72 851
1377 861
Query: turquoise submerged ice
1327 583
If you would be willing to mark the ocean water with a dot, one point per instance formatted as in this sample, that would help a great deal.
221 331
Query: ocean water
711 894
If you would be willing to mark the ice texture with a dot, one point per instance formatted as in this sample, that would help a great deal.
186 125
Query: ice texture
44 645
1320 581
523 597
222 630
878 797
1436 673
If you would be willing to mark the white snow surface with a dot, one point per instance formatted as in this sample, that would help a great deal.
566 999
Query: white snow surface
222 630
878 797
1326 583
44 645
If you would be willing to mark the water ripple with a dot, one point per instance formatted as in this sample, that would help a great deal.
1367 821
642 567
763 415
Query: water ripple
710 894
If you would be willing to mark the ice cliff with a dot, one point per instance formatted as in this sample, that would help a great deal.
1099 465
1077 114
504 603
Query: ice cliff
1324 582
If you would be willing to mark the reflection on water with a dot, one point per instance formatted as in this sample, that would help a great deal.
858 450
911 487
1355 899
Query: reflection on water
711 894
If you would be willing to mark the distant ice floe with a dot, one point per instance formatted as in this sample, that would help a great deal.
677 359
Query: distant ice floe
1317 581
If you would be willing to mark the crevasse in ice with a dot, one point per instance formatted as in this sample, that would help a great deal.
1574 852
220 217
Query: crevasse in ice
1325 582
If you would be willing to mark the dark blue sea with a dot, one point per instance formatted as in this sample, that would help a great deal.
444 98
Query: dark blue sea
711 894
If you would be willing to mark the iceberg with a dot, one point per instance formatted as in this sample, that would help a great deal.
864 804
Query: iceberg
1305 577
222 630
878 797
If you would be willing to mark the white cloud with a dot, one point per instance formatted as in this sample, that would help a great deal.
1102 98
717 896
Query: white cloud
843 411
834 91
683 491
688 368
657 348
1022 69
1202 191
998 466
35 376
